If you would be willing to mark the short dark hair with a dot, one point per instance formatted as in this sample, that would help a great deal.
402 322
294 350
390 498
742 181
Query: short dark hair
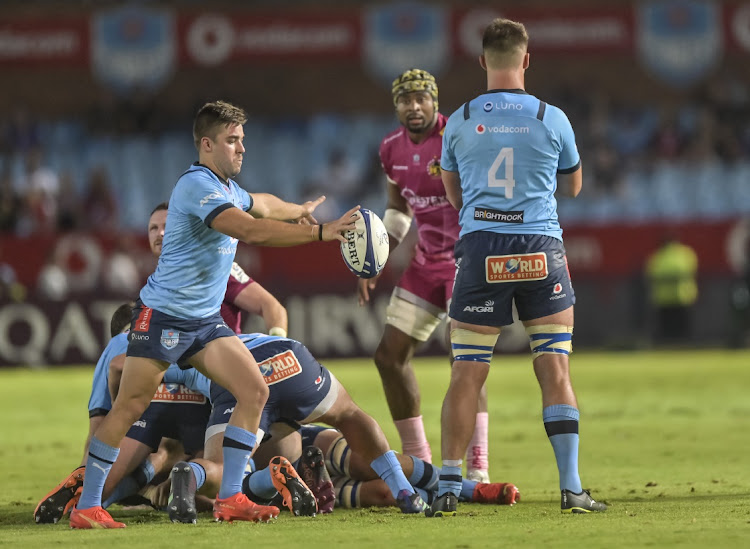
503 37
121 318
213 115
159 207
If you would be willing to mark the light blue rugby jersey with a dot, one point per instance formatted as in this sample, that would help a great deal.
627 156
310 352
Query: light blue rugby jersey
100 402
508 147
193 269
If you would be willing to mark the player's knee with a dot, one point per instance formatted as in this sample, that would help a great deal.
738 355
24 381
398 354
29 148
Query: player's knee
130 407
469 346
255 393
550 339
386 361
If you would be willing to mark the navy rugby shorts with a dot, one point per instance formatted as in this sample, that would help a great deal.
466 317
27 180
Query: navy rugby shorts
184 419
494 269
160 336
299 387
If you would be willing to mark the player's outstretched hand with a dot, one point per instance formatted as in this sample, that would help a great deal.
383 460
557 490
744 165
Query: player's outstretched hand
365 286
307 209
334 230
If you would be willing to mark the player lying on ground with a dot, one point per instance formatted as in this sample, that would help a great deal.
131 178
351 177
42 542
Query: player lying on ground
301 390
356 484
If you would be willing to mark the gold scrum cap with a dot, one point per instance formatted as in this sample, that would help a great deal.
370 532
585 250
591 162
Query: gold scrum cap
415 80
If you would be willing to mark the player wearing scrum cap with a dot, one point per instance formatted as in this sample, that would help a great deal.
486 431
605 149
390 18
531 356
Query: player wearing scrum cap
410 157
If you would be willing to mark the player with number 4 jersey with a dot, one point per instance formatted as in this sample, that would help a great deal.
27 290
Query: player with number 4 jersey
504 155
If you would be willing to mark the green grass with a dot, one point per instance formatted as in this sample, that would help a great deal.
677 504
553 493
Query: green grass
664 440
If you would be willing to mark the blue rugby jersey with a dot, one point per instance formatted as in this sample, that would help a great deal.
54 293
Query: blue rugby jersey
195 262
508 147
100 402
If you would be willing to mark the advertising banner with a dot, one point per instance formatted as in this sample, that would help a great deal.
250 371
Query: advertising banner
40 41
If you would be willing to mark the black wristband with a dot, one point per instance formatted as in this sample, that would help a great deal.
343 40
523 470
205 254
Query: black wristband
320 232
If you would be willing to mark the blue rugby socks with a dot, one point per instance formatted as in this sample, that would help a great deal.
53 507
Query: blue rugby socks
450 479
561 424
238 445
389 469
99 462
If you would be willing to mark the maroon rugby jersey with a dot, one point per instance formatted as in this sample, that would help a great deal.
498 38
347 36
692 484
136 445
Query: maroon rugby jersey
238 281
415 168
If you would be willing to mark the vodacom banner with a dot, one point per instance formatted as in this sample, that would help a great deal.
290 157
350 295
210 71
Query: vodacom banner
211 39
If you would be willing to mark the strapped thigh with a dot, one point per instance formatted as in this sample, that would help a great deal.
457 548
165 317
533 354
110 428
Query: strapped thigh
550 339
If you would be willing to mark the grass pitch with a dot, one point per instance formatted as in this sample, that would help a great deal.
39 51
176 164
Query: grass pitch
664 441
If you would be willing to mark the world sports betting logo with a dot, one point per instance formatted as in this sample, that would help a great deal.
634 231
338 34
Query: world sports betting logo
516 268
280 367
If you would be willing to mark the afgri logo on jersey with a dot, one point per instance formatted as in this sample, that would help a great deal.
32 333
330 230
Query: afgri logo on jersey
280 367
433 167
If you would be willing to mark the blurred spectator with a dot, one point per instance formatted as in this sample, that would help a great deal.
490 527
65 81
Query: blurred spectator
52 282
340 177
22 132
10 204
68 205
673 289
99 205
10 288
40 187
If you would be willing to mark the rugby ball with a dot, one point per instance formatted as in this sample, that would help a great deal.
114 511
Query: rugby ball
366 248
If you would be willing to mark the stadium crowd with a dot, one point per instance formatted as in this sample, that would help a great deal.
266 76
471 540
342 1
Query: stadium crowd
695 155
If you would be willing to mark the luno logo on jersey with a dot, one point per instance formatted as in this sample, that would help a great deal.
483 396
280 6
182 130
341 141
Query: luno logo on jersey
489 105
170 338
481 129
517 267
433 167
280 367
143 321
176 392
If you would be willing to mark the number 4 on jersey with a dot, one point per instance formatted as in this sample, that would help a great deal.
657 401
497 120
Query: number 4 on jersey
506 155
